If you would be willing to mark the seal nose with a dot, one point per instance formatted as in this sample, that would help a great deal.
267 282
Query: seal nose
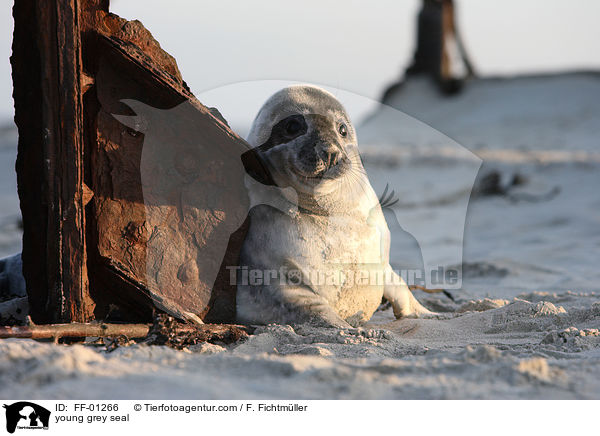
332 158
330 155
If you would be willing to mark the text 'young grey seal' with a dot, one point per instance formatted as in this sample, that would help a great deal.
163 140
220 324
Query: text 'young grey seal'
317 249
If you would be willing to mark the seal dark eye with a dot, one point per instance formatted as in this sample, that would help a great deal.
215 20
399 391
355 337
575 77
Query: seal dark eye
287 129
293 127
343 130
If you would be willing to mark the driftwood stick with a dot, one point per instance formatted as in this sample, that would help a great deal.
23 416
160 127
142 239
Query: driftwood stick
431 291
424 289
81 330
75 330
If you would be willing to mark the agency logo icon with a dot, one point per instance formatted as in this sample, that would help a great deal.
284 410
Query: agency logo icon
26 415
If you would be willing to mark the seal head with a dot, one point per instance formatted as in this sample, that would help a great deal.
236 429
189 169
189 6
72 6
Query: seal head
306 140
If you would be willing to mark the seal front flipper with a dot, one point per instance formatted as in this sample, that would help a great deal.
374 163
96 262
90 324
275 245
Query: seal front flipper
403 301
309 307
285 304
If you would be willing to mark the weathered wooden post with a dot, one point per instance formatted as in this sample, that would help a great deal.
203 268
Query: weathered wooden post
87 224
47 77
440 52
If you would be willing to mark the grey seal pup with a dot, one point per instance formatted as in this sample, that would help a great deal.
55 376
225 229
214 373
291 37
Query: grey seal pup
317 248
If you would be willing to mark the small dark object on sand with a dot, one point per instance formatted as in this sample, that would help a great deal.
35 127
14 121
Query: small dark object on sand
489 184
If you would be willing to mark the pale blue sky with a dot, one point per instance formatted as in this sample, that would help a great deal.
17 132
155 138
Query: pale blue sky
348 45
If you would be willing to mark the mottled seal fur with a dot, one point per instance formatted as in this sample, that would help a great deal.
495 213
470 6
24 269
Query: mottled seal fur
316 227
